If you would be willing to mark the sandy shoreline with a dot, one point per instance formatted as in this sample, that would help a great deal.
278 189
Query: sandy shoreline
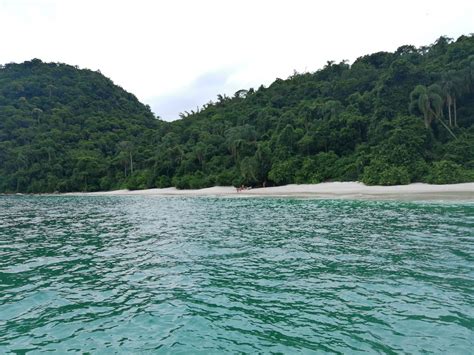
351 190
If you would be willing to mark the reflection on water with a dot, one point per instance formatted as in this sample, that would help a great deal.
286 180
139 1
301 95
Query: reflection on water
190 275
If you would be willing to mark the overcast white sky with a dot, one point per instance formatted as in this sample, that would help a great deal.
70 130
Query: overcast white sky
177 55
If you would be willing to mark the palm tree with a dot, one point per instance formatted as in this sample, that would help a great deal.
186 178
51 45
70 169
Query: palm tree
459 88
447 85
462 80
428 101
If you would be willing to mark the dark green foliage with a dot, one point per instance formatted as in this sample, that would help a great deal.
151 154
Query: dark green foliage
283 172
445 172
382 173
65 129
389 118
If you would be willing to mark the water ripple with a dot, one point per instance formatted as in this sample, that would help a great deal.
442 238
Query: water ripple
213 275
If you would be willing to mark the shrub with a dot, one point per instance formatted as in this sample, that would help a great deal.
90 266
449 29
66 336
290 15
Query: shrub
381 173
283 172
163 181
394 175
446 172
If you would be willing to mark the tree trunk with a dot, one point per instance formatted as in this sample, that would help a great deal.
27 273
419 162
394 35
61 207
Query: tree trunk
446 126
449 114
427 120
455 113
131 164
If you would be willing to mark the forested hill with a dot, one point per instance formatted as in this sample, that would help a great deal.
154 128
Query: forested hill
389 118
67 129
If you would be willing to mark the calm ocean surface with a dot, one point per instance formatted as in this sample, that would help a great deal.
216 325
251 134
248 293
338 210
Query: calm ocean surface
213 275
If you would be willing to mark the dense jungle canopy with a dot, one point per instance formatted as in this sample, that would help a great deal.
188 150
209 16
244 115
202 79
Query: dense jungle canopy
388 118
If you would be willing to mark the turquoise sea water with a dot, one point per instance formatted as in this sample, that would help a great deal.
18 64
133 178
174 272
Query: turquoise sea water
235 275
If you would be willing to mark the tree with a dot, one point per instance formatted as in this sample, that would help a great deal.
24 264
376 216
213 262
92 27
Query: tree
126 155
460 87
448 92
249 170
341 122
263 159
428 101
37 114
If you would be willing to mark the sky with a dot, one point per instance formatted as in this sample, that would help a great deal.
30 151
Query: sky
177 55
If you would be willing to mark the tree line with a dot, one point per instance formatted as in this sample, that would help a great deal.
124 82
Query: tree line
389 118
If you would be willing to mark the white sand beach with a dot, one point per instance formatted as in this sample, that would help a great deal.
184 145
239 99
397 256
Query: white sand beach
351 190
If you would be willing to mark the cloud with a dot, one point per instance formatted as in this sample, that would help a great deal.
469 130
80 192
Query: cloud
198 92
159 50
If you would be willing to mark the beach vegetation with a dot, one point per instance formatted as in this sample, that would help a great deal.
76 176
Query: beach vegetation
387 118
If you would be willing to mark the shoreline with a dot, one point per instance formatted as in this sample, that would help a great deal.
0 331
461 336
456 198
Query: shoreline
333 190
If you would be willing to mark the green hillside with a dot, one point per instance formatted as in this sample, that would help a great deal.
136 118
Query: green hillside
66 129
389 118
